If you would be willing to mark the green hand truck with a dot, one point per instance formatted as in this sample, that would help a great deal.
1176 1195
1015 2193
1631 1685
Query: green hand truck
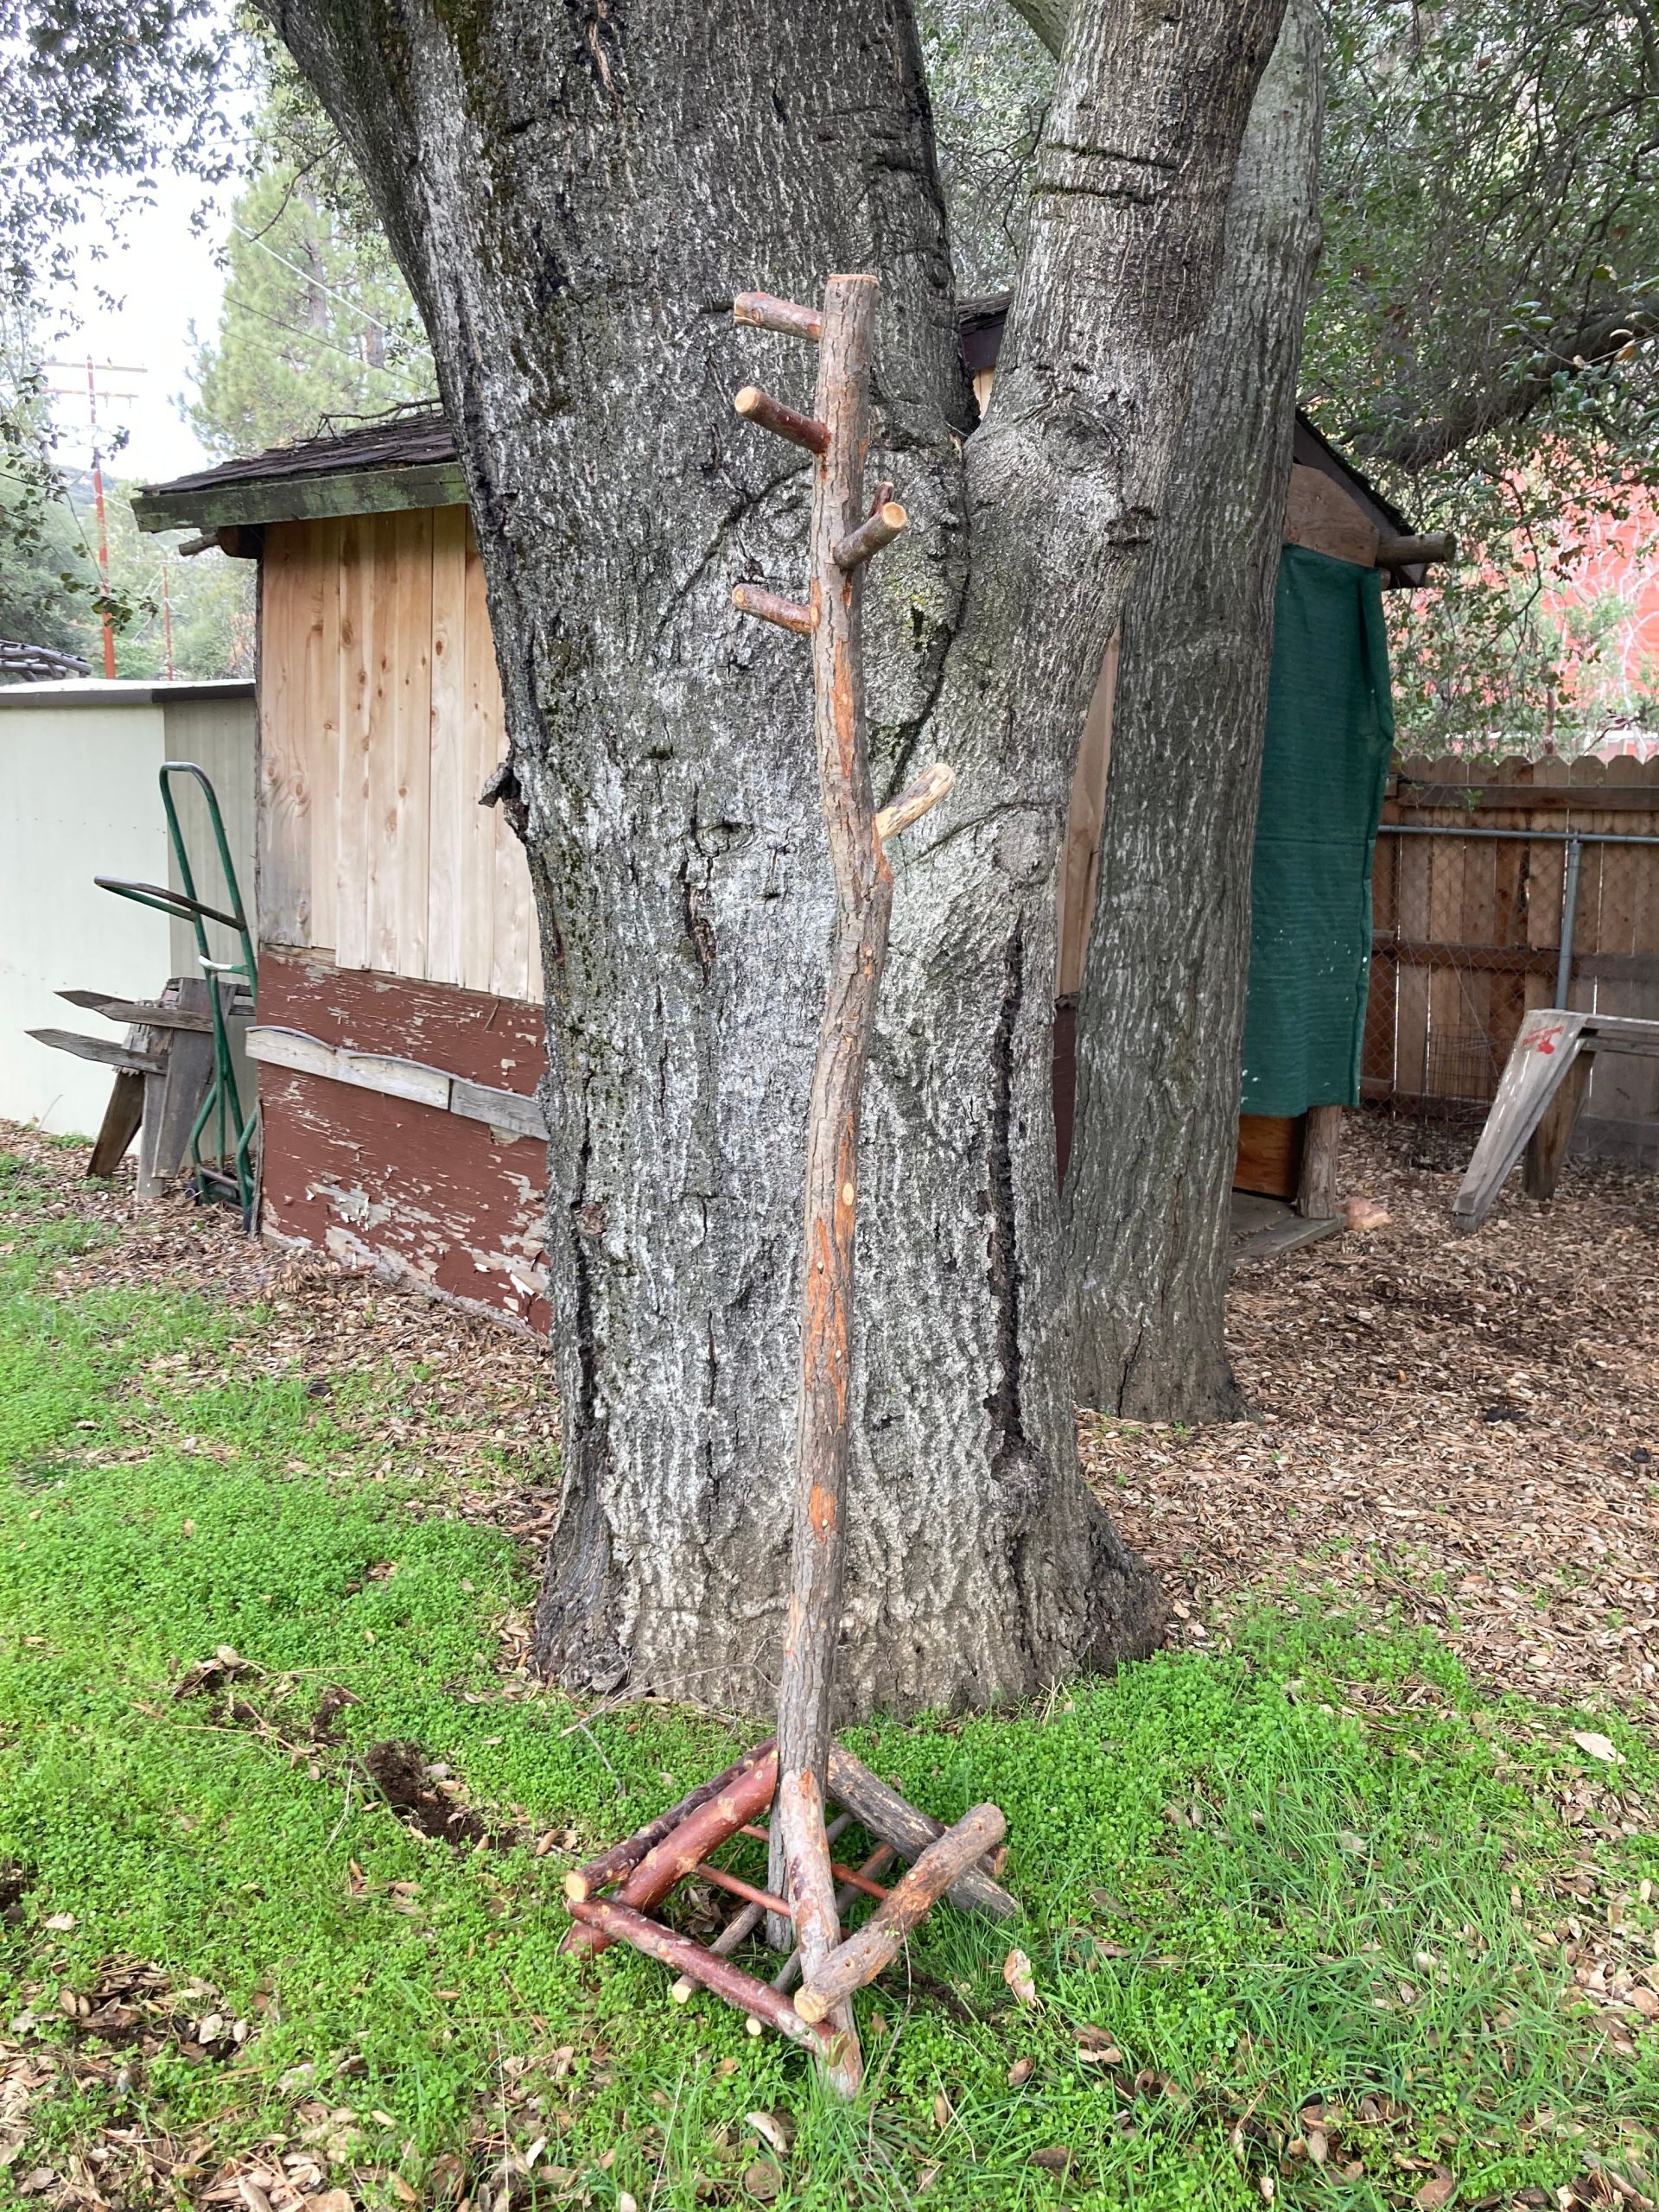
234 1129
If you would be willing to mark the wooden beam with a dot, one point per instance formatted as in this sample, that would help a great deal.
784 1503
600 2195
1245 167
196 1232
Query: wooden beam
301 498
1416 552
1549 1041
1546 1151
104 1051
151 1012
397 1078
1316 1190
1549 798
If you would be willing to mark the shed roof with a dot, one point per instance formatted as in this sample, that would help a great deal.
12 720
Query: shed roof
402 460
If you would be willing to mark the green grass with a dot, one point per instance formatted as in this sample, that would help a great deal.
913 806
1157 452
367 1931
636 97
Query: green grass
1314 1864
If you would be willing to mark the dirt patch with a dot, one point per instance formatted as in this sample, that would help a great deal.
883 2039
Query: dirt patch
1467 1426
424 1797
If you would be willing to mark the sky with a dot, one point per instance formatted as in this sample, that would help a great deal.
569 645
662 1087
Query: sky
162 276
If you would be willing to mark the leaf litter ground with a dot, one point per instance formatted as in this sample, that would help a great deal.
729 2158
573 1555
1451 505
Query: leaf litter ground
1346 1900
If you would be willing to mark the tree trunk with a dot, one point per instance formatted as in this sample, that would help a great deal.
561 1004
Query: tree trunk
1160 1018
575 195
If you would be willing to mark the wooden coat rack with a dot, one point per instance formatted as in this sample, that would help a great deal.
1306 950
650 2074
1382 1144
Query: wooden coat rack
799 1774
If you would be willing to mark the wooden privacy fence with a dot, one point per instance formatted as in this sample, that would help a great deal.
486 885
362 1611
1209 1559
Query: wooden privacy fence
1534 885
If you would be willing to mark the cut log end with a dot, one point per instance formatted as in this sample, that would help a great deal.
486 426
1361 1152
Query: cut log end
759 407
879 529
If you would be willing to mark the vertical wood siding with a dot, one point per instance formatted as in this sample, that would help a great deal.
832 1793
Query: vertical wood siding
380 721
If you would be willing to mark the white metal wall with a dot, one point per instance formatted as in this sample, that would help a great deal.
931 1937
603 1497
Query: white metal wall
79 798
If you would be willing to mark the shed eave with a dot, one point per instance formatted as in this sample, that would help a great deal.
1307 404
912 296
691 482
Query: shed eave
301 498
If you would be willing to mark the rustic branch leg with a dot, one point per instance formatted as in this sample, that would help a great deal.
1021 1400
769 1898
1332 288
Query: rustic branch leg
615 1865
1546 1152
827 1988
887 1814
702 1830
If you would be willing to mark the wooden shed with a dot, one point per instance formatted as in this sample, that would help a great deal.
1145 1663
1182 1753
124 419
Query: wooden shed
400 989
400 1025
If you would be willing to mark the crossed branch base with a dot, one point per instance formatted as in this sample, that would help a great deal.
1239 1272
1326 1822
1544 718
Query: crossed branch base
959 1863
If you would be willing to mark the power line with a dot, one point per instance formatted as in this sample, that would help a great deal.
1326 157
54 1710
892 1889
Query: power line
310 276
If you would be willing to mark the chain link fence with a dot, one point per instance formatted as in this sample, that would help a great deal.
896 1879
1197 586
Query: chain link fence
1474 926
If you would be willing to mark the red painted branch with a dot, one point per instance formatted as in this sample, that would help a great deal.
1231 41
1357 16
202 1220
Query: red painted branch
761 311
739 1888
880 1941
758 406
604 1921
622 1858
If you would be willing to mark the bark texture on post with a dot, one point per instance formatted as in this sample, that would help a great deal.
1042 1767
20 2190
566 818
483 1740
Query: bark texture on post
577 196
1160 1018
1316 1187
863 884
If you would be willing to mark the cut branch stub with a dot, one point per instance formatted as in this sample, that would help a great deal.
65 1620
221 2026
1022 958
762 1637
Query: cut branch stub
916 799
1397 552
879 528
772 606
757 406
762 311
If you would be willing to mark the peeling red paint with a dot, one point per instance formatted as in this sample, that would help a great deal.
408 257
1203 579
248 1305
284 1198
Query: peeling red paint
371 1179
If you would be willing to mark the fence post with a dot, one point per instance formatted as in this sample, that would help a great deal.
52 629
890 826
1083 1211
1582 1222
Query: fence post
1569 913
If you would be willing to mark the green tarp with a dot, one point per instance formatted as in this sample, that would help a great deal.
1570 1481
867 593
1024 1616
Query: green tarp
1325 765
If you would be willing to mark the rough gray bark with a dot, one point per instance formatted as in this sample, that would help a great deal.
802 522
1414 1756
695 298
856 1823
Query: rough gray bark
1160 1018
576 193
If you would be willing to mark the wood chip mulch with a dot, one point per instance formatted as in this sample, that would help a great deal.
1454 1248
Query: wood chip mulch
1467 1426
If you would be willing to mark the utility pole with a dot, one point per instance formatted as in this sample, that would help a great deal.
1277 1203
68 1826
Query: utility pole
167 610
114 368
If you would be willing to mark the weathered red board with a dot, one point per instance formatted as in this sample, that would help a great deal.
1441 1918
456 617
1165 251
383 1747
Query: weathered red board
371 1180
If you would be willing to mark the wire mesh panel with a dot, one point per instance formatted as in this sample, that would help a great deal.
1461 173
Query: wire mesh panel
1531 883
1467 931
